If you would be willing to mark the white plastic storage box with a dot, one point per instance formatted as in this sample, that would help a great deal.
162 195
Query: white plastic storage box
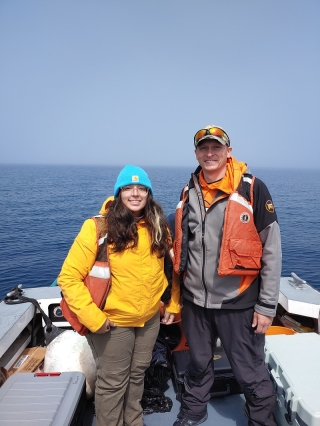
43 399
294 365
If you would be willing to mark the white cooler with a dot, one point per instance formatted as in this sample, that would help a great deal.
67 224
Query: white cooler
294 365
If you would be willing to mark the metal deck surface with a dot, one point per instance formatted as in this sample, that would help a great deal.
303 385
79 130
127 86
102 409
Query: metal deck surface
304 300
222 411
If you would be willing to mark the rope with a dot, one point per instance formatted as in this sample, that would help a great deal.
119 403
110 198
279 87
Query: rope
15 296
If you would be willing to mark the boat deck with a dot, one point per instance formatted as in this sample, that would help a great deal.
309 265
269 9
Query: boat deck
222 411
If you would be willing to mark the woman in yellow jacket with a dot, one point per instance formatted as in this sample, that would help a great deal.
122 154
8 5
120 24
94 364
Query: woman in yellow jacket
123 334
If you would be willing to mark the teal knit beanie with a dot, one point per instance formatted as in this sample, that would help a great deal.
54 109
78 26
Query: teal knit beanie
132 175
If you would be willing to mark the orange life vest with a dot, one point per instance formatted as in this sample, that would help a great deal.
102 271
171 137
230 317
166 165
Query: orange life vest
241 247
98 282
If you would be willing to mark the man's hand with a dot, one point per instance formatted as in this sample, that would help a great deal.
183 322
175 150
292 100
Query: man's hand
168 318
106 327
261 322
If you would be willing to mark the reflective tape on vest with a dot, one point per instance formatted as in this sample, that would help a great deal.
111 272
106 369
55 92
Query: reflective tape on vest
179 205
239 199
247 179
100 272
101 240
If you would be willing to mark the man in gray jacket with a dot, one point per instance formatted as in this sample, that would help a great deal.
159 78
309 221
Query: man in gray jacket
228 255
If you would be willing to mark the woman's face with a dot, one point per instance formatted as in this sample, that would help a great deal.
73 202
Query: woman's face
134 197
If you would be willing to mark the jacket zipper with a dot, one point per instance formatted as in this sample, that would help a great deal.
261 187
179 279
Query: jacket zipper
203 247
203 263
201 200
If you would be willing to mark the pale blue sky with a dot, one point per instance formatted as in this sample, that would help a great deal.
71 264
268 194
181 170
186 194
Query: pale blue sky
112 82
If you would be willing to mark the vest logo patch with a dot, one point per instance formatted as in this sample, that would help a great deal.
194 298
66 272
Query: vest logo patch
270 206
135 178
244 217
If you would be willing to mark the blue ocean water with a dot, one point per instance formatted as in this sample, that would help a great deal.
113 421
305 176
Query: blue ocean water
43 207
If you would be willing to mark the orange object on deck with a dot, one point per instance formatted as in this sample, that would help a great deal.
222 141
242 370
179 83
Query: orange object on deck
278 329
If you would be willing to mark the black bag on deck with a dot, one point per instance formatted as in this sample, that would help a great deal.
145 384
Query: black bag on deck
224 380
156 380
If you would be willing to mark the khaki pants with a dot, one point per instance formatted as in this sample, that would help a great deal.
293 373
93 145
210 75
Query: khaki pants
122 355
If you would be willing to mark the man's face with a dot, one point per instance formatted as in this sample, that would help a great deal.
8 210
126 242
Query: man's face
212 156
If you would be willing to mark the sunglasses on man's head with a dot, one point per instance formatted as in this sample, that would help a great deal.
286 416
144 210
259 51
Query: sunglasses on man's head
212 131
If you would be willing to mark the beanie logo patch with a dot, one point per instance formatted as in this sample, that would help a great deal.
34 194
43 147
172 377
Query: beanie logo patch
135 178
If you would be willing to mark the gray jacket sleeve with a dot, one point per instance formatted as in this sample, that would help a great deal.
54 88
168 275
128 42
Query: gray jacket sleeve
270 272
268 228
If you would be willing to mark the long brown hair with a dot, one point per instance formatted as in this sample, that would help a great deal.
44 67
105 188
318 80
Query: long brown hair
122 229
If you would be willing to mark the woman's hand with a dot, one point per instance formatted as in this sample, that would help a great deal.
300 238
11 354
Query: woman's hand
106 327
168 318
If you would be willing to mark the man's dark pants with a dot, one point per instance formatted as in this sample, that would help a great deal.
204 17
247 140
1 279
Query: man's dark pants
245 351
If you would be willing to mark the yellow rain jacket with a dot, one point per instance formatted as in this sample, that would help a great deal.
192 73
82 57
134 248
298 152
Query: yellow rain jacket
137 278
